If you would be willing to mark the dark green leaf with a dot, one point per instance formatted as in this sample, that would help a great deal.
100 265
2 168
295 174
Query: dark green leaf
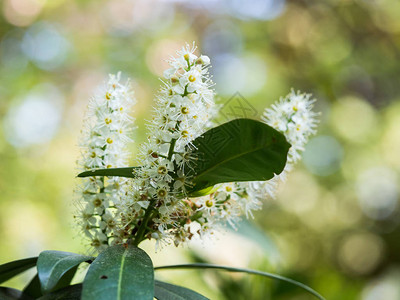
13 268
167 291
33 288
120 272
72 292
53 265
255 272
239 150
66 279
12 294
119 172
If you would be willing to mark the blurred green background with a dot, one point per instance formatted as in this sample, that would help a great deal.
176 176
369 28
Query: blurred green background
335 224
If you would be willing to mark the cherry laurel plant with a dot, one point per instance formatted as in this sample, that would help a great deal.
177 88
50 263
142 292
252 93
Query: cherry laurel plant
189 180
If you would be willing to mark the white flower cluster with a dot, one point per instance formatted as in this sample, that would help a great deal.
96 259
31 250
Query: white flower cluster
225 205
182 113
155 203
293 116
106 132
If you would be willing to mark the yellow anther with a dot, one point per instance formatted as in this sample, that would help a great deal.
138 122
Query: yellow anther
93 155
108 96
228 188
162 193
110 141
108 121
209 203
162 170
184 110
185 133
109 166
192 78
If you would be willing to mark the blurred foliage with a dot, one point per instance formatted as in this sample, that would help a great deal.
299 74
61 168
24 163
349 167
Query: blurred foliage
335 223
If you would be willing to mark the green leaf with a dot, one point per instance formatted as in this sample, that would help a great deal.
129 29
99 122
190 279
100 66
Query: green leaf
13 268
66 279
33 288
72 292
12 294
239 150
120 272
167 291
204 192
230 269
118 172
53 265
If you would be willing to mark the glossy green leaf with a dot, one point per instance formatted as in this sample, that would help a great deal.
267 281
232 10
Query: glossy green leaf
13 268
13 294
119 172
167 291
239 150
72 292
241 270
120 272
53 265
66 278
33 288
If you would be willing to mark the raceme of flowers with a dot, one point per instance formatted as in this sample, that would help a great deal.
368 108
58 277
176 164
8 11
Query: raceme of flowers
105 135
112 209
293 116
